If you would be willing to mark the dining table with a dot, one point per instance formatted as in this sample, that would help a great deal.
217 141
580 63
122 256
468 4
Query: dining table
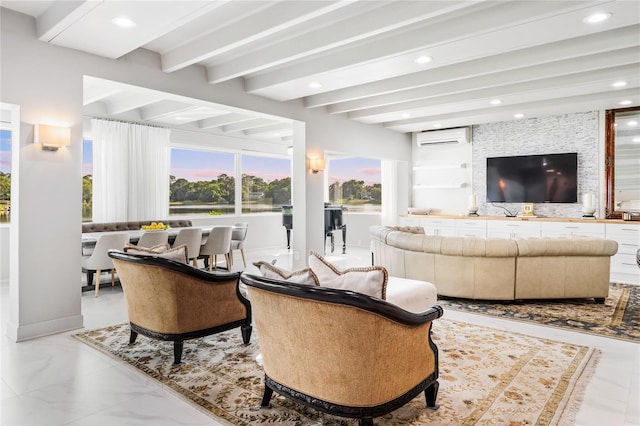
89 239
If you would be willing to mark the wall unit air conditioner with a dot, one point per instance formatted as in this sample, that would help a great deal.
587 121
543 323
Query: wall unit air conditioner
458 135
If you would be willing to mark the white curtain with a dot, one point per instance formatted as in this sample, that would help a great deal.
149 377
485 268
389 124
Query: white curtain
130 171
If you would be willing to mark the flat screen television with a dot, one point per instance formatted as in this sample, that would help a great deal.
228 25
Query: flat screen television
548 178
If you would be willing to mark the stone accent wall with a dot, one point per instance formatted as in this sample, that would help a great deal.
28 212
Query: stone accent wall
547 135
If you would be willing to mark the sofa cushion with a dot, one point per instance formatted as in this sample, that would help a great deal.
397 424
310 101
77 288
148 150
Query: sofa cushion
566 246
178 254
478 247
303 276
411 295
410 229
371 281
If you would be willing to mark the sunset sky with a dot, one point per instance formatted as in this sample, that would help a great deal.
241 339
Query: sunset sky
203 165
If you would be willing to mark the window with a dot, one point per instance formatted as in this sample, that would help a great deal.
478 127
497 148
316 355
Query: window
5 175
355 183
87 180
266 183
201 183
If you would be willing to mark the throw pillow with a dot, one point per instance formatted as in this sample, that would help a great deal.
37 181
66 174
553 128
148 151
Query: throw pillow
371 281
178 254
160 248
303 276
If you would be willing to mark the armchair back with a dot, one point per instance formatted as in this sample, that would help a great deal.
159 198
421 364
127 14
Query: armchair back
348 354
170 300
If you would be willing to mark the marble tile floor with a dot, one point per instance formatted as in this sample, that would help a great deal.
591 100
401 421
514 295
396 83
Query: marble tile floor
56 380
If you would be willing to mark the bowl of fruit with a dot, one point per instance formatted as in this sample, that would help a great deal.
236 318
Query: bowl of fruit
155 226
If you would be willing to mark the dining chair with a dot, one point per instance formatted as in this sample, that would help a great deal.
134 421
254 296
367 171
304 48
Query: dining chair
100 261
153 238
218 242
192 237
238 236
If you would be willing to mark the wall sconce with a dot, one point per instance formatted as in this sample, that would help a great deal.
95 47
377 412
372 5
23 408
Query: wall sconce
316 164
51 137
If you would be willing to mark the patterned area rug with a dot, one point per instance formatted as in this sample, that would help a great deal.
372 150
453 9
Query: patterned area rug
487 376
619 317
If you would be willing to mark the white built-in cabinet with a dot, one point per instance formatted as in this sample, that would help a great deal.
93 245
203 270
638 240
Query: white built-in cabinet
624 268
440 227
471 228
623 265
512 229
554 229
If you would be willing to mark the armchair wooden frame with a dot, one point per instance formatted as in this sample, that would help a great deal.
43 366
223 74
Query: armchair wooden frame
172 301
306 360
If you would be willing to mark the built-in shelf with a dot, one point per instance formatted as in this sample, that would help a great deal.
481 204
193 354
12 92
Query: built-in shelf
450 186
441 167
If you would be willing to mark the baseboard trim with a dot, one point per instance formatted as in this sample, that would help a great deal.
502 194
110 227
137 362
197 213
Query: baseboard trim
45 328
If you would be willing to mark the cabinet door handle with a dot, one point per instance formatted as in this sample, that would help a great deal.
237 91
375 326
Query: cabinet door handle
572 227
628 264
630 245
630 230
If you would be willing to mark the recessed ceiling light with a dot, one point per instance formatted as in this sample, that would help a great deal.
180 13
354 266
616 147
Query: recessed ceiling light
315 85
406 115
495 102
597 17
437 125
636 140
123 22
632 123
518 115
619 84
625 102
422 59
181 118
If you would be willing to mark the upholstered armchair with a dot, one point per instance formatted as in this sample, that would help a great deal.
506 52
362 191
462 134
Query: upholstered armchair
172 301
342 352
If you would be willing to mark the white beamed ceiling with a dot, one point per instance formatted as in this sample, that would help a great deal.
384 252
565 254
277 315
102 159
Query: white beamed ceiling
537 57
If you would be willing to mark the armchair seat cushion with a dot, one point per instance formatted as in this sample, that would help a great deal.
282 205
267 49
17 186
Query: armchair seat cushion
411 295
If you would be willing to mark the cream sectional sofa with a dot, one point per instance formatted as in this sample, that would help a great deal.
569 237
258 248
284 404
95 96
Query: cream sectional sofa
497 268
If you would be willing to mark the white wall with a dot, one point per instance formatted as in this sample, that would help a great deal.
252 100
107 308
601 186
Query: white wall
46 82
4 255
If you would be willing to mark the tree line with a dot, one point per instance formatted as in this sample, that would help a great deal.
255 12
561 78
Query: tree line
5 186
222 190
352 190
219 191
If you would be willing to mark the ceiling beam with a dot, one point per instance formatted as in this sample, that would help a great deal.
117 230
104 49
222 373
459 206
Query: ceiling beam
580 103
248 124
271 20
270 128
554 87
370 22
487 21
572 48
223 120
600 61
60 16
128 103
164 109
